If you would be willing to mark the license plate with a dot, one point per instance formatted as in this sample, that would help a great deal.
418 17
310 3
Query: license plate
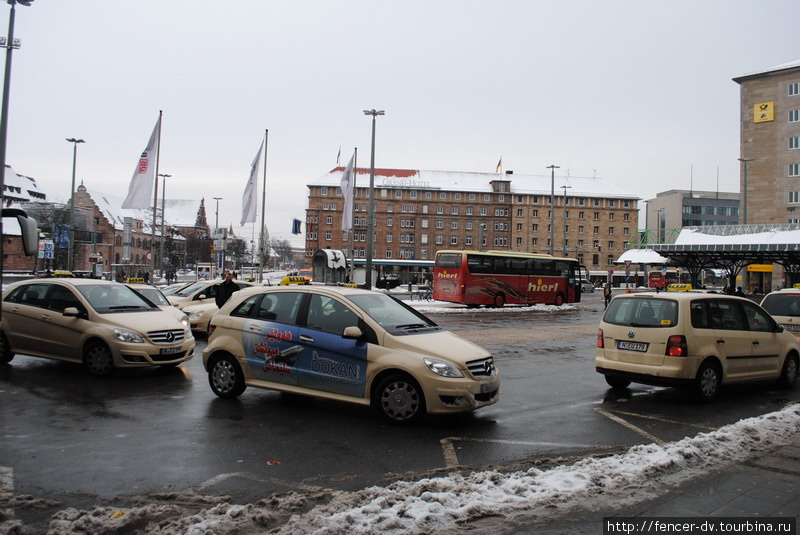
792 327
632 346
169 350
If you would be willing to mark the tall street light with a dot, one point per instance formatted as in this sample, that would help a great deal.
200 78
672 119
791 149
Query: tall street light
565 188
161 245
216 224
371 213
744 190
552 204
10 44
71 246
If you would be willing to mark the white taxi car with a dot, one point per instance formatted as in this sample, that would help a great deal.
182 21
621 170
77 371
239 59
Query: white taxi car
102 324
697 340
784 306
155 296
346 344
200 292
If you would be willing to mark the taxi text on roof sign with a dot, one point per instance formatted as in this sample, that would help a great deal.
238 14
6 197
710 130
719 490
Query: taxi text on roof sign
679 287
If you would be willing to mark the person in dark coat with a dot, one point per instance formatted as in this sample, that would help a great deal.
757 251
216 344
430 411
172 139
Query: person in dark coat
739 292
225 290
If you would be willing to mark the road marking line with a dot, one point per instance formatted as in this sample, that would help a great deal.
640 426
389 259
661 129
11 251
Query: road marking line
667 420
451 458
246 475
630 426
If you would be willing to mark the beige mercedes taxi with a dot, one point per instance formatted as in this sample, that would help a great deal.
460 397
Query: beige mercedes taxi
102 324
200 292
346 344
784 306
696 340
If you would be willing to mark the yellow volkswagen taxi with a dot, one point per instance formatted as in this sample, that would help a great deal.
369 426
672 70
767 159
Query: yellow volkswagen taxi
346 344
692 339
102 324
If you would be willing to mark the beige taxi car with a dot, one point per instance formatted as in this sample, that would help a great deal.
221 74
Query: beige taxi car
784 306
346 344
102 324
200 292
155 296
696 340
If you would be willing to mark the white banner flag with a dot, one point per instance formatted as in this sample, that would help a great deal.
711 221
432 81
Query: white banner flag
142 180
249 196
348 183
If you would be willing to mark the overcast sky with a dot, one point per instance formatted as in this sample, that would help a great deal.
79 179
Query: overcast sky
639 93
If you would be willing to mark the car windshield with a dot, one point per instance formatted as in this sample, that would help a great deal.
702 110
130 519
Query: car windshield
189 290
392 314
114 298
154 295
172 288
642 312
782 304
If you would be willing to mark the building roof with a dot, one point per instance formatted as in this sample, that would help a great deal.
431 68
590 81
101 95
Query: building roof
178 212
479 182
770 70
21 188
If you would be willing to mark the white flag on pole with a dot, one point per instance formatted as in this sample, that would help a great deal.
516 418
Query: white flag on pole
249 196
142 180
348 183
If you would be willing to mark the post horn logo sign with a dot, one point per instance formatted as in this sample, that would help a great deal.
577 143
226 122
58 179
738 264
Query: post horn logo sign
764 112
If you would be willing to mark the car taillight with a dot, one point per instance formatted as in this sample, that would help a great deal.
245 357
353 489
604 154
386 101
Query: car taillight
676 346
600 342
211 329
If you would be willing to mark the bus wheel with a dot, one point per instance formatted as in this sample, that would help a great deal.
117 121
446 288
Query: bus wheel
499 300
559 300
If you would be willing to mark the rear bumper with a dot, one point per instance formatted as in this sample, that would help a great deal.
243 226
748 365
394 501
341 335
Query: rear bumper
646 379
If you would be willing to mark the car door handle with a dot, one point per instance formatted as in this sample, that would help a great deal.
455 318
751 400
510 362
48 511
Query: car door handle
46 317
254 328
756 342
720 341
306 338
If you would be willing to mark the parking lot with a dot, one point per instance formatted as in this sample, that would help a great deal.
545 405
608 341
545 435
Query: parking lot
79 440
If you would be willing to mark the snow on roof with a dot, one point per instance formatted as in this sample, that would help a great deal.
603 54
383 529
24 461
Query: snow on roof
775 68
739 235
641 256
21 187
177 212
479 182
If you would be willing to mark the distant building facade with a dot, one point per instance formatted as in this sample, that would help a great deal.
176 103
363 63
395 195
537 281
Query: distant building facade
420 212
770 136
672 210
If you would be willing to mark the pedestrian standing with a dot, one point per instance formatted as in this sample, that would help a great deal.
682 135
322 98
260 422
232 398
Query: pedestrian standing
225 290
607 294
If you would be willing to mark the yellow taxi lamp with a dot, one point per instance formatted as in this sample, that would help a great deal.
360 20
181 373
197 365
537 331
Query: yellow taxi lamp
293 279
679 287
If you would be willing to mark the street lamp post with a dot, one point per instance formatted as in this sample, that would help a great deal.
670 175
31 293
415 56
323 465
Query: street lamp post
371 213
552 204
161 245
216 223
565 188
71 246
744 189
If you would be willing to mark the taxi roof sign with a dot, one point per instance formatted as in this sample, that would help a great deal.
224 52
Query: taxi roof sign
293 279
682 287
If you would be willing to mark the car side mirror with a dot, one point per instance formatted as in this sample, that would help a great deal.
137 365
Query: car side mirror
779 328
201 296
72 312
352 332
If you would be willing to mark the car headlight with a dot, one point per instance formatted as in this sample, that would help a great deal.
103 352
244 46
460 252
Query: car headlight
184 321
197 315
442 367
128 336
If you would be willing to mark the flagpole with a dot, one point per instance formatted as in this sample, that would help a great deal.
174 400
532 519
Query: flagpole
155 198
261 243
352 226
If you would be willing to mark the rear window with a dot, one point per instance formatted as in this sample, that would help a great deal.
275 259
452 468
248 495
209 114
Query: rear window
642 312
448 260
782 304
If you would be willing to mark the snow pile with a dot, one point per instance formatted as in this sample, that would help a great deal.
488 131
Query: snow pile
444 504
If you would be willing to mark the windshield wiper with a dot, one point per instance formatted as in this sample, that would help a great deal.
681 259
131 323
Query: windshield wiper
127 307
412 326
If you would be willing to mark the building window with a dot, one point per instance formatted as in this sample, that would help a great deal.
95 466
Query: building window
454 225
453 240
519 229
794 116
329 220
501 242
611 230
468 240
596 216
610 244
398 194
610 260
389 222
454 210
424 253
388 253
484 210
794 89
536 213
325 205
439 224
626 217
472 196
328 235
535 241
424 208
424 223
428 195
323 190
519 241
469 210
519 212
389 208
626 231
611 216
597 230
439 239
794 197
440 209
457 196
580 243
580 229
794 169
388 237
414 194
423 239
595 259
581 215
443 195
384 193
794 143
535 227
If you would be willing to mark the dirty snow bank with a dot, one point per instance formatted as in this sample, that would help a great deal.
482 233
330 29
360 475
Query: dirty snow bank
444 504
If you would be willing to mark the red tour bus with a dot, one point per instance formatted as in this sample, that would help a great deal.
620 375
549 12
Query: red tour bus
661 278
494 278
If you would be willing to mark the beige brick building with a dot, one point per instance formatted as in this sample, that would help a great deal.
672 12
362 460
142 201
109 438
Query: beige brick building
770 135
420 212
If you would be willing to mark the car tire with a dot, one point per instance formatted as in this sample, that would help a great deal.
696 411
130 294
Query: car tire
226 378
6 355
399 400
499 300
707 381
559 300
788 376
98 360
617 382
